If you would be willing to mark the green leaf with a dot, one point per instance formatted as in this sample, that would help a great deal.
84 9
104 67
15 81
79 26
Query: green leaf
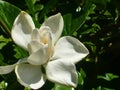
47 8
1 58
3 42
61 87
3 85
2 39
67 23
33 9
92 46
30 5
20 53
81 76
80 20
39 7
94 28
8 13
26 88
108 76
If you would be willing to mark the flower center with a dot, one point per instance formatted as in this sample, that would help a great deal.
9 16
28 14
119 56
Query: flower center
46 38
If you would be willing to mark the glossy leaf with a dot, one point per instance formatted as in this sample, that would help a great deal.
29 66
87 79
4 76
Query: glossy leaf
80 20
30 5
81 76
3 41
8 13
48 7
67 23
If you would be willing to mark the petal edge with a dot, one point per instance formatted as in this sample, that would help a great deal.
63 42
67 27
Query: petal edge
22 28
70 48
30 76
62 72
56 23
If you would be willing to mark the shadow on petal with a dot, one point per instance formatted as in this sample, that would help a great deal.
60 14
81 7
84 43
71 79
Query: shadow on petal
30 75
62 72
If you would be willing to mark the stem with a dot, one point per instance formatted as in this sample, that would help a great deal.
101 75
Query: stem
5 28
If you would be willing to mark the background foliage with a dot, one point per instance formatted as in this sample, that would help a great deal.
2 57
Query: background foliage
96 23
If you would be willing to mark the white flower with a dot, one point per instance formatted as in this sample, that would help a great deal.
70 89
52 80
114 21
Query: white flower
57 56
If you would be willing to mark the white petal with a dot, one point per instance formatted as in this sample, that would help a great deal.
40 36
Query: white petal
33 46
56 23
41 47
62 72
9 68
6 69
71 49
39 57
45 35
35 35
46 38
30 75
22 28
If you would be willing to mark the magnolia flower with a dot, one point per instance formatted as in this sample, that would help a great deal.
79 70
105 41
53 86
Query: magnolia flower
50 57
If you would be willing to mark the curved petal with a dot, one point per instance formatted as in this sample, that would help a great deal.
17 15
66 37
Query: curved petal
9 68
62 72
56 23
71 49
39 57
22 28
35 35
34 46
46 38
40 48
45 34
30 75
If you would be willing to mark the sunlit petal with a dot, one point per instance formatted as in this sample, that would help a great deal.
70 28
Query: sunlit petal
62 72
46 38
35 35
7 69
45 35
70 49
22 28
55 22
39 57
33 46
